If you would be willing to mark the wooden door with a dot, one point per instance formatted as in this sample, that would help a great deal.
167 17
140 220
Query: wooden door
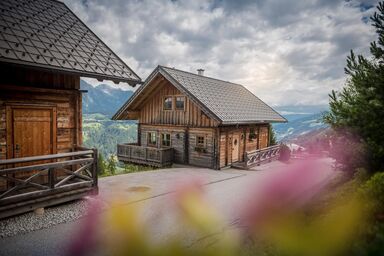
235 147
31 131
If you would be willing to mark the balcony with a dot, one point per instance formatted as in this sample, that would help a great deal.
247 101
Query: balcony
133 153
39 181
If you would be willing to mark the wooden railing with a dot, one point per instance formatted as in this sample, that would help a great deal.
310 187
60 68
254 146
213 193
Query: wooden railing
256 157
132 153
32 182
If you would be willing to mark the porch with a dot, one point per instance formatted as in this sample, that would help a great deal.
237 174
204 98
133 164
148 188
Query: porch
133 153
29 183
257 157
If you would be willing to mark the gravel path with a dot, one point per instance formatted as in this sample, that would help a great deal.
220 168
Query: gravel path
30 221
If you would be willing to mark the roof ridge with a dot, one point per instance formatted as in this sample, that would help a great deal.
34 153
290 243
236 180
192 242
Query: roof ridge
213 78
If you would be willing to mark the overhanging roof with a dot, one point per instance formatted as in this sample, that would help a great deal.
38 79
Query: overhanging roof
47 34
226 102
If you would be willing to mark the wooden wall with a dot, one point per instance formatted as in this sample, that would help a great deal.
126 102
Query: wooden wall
183 141
177 139
225 145
152 111
20 76
203 159
67 101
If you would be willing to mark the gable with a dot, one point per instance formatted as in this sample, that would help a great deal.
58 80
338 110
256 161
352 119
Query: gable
151 108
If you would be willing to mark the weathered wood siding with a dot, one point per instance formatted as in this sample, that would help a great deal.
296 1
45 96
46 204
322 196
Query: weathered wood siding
203 159
246 144
152 111
67 101
177 139
263 137
22 87
181 138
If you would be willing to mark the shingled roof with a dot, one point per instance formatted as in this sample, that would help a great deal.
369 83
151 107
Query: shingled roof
47 34
227 102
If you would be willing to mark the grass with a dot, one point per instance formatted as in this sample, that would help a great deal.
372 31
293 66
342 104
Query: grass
128 168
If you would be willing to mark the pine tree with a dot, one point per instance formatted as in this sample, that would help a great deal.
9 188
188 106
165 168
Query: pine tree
272 136
359 107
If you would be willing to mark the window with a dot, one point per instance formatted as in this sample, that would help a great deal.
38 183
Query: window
200 141
152 139
168 103
180 102
166 139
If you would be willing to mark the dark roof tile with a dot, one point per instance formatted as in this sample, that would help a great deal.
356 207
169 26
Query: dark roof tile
230 102
227 102
43 33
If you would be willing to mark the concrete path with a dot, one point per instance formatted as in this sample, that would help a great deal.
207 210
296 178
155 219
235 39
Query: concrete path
225 191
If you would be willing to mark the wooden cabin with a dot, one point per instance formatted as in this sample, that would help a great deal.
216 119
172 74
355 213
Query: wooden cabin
192 119
44 50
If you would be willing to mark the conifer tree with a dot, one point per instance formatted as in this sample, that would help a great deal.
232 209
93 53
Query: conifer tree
359 107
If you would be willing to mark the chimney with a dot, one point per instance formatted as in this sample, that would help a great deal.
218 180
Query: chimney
200 72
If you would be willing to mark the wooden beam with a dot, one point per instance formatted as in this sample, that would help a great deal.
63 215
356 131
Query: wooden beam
46 166
45 157
5 87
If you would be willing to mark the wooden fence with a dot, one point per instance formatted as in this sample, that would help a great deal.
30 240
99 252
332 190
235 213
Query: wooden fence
259 156
40 181
132 153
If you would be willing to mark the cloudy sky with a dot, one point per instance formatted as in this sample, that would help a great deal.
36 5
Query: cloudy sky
287 52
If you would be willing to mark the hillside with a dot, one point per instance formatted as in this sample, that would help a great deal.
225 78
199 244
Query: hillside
99 131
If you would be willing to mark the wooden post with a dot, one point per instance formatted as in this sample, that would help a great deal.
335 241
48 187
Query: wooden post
258 137
139 134
51 178
95 166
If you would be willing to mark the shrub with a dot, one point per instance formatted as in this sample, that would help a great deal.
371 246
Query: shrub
373 192
348 150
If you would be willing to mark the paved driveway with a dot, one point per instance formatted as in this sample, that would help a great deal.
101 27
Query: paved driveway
225 191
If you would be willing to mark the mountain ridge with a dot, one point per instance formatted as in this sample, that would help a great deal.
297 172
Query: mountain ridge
103 98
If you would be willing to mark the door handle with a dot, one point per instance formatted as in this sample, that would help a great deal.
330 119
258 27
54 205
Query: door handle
17 147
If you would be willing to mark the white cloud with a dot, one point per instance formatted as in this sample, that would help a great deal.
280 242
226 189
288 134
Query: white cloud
286 52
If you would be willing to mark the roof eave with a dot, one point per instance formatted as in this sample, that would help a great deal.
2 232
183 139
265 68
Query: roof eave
126 105
253 122
37 66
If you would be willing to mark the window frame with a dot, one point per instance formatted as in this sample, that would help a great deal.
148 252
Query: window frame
163 135
164 99
149 139
184 100
198 144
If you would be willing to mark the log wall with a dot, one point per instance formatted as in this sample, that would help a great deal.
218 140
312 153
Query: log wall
183 141
63 94
246 144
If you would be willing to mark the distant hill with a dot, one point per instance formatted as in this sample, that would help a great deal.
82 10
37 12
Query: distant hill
300 126
103 98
